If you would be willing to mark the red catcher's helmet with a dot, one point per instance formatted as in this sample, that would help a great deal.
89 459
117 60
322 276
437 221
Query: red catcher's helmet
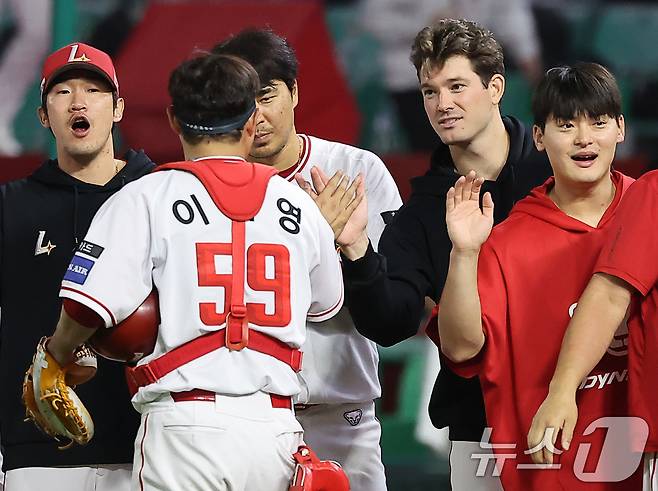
134 337
313 474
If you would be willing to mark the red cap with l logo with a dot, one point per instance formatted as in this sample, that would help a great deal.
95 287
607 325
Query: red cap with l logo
78 56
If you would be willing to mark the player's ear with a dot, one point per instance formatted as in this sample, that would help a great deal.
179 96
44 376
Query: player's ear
496 88
538 137
118 110
173 122
621 123
295 94
43 117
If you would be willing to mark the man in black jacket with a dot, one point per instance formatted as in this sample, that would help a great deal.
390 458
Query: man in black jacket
461 73
43 218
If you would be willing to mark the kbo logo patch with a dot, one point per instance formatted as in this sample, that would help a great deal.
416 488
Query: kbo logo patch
78 270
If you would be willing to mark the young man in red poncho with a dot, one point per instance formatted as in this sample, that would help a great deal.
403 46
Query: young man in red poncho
508 299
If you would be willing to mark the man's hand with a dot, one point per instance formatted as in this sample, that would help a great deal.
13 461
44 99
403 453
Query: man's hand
343 206
558 412
468 225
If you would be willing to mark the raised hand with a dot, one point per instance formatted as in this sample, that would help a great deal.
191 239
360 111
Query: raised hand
468 225
343 204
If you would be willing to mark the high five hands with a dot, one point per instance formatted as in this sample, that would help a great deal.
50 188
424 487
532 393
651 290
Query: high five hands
342 203
469 225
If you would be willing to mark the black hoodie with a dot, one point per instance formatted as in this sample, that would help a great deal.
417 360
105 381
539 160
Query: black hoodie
43 217
386 292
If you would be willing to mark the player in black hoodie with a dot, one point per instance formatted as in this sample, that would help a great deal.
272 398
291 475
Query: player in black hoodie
43 218
461 72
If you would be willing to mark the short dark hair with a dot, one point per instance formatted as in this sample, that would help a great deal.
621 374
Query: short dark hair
566 92
457 37
269 54
209 90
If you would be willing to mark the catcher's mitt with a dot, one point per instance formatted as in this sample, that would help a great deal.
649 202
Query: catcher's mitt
49 400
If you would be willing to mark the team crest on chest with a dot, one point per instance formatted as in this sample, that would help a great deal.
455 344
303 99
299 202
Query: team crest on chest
353 417
40 247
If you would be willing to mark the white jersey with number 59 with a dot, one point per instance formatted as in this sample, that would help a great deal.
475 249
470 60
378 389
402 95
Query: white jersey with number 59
165 231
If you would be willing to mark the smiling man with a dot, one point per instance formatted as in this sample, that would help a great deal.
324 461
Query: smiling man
44 219
461 76
507 301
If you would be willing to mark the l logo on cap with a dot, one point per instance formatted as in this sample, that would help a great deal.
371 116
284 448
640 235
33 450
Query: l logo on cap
74 50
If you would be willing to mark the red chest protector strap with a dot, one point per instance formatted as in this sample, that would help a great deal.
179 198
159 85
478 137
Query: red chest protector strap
238 189
153 371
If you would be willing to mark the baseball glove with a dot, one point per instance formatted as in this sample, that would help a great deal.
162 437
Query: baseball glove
50 401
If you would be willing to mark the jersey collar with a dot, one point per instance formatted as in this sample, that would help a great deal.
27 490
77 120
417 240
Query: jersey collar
228 158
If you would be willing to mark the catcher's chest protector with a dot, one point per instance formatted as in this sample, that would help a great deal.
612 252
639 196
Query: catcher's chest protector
237 188
313 474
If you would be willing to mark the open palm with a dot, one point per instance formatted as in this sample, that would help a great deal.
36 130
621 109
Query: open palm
342 203
468 225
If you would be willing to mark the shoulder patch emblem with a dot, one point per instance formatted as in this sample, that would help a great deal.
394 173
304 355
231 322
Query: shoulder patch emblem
78 269
91 249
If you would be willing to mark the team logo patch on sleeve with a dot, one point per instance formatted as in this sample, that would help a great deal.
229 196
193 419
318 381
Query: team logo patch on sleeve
90 249
78 270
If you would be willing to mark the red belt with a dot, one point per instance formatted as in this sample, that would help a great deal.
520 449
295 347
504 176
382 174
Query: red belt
283 402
